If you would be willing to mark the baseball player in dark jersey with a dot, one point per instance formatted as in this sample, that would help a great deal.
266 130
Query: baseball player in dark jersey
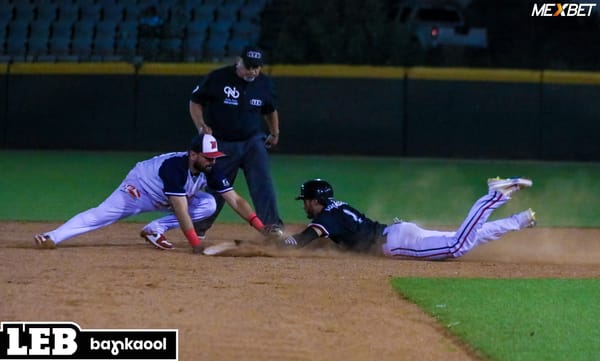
171 182
231 103
351 229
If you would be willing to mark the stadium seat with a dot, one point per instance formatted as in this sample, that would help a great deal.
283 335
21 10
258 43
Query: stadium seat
90 11
83 34
170 49
62 27
37 45
81 47
83 29
46 58
47 10
193 47
214 3
131 12
228 12
38 37
6 12
112 10
3 32
176 23
24 10
40 27
197 27
127 29
215 47
148 48
246 30
59 44
204 12
17 33
252 11
68 11
104 45
235 46
126 46
106 28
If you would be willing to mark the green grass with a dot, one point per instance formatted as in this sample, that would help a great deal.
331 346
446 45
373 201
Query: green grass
51 185
515 319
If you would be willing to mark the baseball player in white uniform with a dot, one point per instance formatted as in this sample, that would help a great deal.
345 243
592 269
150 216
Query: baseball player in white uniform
171 182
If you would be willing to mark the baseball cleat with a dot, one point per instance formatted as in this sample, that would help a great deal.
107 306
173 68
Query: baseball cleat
158 240
508 186
526 218
42 241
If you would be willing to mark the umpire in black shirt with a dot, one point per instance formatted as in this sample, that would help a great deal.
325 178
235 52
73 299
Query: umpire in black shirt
230 104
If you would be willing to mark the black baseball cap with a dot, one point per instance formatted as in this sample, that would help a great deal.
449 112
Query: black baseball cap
252 57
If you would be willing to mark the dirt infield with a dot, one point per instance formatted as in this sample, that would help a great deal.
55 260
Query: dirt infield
312 305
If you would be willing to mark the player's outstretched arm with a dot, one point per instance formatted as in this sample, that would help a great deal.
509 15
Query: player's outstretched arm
243 208
301 239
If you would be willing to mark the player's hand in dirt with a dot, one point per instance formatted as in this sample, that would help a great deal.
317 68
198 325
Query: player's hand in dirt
273 233
199 249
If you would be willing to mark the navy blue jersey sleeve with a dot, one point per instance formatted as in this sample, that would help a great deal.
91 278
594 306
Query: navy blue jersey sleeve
218 182
202 94
174 172
329 223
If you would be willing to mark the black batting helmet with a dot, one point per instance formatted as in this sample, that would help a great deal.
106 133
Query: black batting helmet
316 189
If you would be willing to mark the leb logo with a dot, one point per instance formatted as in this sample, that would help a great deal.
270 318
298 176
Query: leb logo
67 341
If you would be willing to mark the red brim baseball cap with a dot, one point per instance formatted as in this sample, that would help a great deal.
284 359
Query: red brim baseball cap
206 145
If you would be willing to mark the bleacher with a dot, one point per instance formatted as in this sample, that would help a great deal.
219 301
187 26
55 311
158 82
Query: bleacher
127 30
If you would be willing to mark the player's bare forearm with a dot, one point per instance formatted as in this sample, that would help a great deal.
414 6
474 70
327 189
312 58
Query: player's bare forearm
180 208
238 204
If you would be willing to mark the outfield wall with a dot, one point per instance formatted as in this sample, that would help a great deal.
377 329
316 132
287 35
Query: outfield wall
3 101
327 109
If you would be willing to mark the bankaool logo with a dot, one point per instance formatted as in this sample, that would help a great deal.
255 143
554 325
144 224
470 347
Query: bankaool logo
67 341
562 9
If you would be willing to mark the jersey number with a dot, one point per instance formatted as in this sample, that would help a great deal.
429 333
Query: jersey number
356 218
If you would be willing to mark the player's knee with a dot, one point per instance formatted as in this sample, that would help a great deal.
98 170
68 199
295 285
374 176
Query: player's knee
210 205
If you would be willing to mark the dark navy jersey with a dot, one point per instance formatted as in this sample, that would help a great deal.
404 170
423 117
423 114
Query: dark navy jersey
233 107
347 226
169 175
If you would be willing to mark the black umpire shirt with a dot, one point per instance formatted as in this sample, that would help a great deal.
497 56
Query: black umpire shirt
233 107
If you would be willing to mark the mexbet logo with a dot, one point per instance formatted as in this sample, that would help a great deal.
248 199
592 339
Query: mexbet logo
562 9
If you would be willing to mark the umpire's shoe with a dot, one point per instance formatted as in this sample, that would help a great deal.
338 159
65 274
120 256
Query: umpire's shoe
158 240
42 241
